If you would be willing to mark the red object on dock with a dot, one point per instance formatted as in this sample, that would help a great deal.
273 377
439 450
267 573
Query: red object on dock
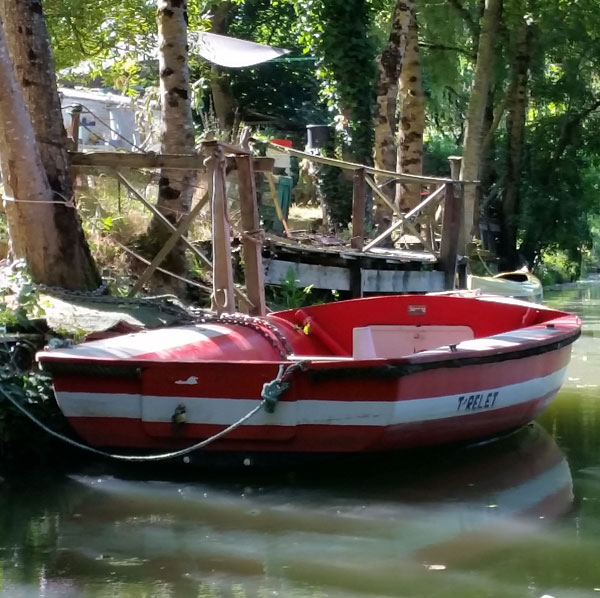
282 142
366 375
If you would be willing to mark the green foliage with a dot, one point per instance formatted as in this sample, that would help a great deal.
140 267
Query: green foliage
19 310
338 32
556 267
289 295
559 191
437 149
286 90
19 300
337 194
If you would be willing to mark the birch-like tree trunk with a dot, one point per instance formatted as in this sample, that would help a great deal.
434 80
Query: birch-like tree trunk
412 119
28 45
175 187
474 127
389 67
515 127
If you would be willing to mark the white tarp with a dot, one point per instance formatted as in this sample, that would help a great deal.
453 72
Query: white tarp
231 52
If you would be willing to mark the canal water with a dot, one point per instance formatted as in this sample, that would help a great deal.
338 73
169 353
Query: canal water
517 517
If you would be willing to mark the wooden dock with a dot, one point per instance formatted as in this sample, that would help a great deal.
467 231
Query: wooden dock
339 267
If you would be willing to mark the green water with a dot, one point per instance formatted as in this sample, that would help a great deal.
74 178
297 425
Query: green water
518 517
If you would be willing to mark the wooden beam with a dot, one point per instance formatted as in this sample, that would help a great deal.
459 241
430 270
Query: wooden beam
399 176
73 128
402 220
161 217
251 242
223 300
358 209
226 148
151 161
184 224
451 229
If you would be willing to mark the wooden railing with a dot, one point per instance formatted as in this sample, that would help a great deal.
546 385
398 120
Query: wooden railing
438 227
436 221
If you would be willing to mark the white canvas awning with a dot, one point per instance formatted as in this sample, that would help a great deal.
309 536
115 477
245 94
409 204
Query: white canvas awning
231 52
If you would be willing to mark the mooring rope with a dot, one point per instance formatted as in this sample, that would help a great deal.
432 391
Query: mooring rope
270 395
134 458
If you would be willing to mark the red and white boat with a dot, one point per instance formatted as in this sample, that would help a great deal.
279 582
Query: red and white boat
366 375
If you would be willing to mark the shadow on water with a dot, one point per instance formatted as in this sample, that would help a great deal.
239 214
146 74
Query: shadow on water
417 522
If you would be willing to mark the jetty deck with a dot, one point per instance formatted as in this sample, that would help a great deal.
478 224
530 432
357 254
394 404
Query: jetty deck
327 265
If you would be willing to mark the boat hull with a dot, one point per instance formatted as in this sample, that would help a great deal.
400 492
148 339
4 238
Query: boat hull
350 411
333 404
528 289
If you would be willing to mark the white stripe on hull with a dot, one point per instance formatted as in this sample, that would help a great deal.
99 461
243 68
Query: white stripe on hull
307 411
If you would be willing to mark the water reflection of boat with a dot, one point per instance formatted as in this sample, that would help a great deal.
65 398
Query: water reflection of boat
370 528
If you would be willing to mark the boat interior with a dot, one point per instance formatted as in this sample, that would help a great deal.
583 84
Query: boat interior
393 326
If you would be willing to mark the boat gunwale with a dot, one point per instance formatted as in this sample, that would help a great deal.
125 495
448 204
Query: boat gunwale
445 356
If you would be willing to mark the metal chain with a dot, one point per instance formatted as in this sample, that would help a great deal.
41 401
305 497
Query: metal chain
169 304
267 330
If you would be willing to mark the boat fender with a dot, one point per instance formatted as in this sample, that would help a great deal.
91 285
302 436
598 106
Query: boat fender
179 415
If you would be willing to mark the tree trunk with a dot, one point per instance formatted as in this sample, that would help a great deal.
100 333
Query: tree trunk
223 101
475 114
175 187
29 47
412 120
515 126
389 67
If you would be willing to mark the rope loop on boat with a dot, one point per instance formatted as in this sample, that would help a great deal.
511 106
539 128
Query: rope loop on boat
133 458
273 390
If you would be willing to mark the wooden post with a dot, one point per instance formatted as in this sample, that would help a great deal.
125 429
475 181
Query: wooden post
455 166
451 228
253 269
455 163
223 300
358 209
73 128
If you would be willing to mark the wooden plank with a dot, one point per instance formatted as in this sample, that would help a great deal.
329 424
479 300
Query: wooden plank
133 160
451 230
251 242
402 281
151 161
226 148
321 277
372 281
358 209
